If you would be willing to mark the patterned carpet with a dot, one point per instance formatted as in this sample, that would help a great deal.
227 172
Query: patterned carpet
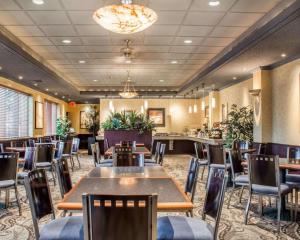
12 226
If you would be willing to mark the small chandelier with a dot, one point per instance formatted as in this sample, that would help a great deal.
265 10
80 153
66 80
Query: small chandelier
126 18
128 91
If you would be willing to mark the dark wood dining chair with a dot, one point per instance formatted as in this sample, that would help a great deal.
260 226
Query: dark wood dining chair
1 148
154 159
98 162
67 153
29 163
293 177
128 160
115 217
30 142
75 149
264 180
17 143
37 190
201 156
8 174
63 176
180 227
44 158
162 152
191 181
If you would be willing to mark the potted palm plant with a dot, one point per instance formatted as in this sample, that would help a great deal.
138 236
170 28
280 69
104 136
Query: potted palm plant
92 125
63 126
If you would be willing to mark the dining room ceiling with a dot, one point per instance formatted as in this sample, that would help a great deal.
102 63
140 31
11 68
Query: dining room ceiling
187 36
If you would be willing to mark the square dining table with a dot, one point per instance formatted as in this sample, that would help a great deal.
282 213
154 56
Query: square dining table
129 181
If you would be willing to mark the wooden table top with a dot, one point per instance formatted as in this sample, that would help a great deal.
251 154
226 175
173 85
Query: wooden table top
140 150
283 164
170 195
16 149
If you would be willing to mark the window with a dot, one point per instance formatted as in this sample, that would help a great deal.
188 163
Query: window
52 111
16 113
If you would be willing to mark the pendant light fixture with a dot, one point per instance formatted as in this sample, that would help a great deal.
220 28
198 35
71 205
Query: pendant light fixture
203 98
213 99
195 108
128 91
126 18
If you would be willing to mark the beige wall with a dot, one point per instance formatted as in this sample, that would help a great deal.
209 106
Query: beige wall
177 116
75 116
37 96
285 101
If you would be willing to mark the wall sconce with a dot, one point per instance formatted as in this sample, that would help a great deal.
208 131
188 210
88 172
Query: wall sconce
190 109
213 102
142 109
146 104
255 92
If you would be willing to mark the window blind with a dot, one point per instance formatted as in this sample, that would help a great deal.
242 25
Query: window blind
52 112
16 113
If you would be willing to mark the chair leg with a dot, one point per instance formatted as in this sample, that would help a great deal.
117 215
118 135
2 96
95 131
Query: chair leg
72 163
278 214
230 196
53 175
203 170
241 194
77 157
260 206
7 198
18 200
247 208
296 204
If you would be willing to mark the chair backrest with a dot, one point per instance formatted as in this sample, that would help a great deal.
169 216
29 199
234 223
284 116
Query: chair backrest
59 150
106 144
128 144
262 148
263 170
75 145
1 148
30 142
115 217
63 175
157 150
199 150
293 155
17 143
235 159
37 190
44 152
214 198
29 158
8 166
47 139
68 147
96 152
122 149
192 176
162 153
128 160
216 154
243 144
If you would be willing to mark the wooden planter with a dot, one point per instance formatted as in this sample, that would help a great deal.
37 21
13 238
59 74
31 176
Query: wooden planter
115 136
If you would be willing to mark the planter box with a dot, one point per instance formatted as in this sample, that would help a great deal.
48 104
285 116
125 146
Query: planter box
115 136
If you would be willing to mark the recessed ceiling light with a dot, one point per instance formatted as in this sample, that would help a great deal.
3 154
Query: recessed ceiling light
161 80
47 89
95 80
0 68
35 84
55 94
244 69
214 3
128 61
81 61
188 41
20 77
283 55
66 41
174 62
234 78
38 2
63 97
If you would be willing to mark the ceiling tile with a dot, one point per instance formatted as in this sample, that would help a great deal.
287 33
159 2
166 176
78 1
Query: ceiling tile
120 39
202 5
76 55
49 17
207 49
91 30
58 40
170 17
157 40
25 31
96 40
152 48
240 19
14 18
180 41
35 41
169 5
228 31
72 49
203 18
8 5
48 5
58 30
182 49
163 30
45 49
219 42
82 17
195 31
254 5
78 4
202 56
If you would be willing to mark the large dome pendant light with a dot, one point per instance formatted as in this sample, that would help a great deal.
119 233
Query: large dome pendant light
126 18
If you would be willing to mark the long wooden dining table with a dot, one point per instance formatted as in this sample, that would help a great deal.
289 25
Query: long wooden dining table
129 181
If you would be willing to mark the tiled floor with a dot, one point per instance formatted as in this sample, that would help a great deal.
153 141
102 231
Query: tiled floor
12 226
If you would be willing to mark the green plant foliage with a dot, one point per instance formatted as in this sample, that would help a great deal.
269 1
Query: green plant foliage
63 127
128 121
92 123
239 125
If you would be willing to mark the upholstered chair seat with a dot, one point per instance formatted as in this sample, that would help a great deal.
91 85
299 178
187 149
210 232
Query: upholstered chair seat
7 183
293 180
180 227
284 189
241 180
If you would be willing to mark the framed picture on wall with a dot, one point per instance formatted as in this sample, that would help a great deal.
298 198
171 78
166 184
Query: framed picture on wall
206 112
82 119
39 115
157 115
